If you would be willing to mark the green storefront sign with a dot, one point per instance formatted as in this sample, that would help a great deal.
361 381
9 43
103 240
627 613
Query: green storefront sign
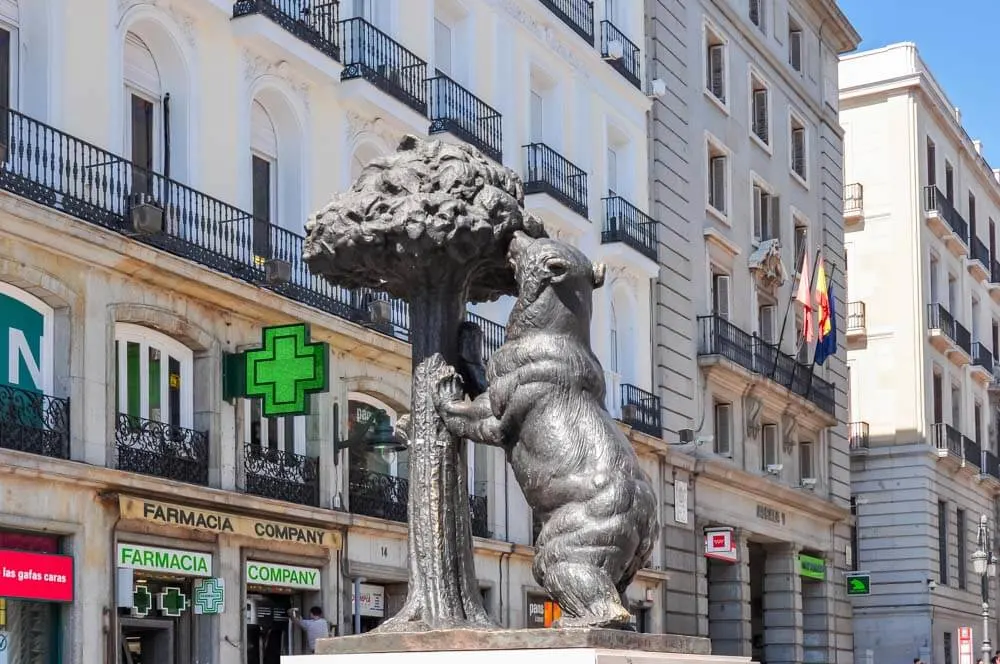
812 567
25 335
282 576
169 561
859 584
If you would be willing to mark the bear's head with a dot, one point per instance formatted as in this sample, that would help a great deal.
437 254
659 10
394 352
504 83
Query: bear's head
555 284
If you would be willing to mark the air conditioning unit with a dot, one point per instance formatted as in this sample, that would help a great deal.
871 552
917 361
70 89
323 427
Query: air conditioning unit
630 412
774 468
616 49
657 88
380 312
809 483
144 213
277 271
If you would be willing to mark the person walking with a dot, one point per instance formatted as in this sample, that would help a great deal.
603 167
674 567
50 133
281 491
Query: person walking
315 627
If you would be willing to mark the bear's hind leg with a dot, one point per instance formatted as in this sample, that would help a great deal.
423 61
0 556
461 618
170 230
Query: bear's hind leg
587 596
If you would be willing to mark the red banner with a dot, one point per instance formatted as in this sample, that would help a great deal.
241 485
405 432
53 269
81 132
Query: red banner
38 576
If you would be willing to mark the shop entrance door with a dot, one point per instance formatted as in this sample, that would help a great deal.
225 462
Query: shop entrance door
147 641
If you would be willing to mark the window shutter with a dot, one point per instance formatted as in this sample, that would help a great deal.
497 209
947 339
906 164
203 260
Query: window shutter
442 48
716 71
755 12
766 316
774 217
770 444
798 151
536 118
795 49
723 429
931 163
760 114
758 212
800 245
612 172
806 462
722 296
718 184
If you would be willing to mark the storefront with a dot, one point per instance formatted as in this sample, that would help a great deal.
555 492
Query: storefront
540 611
273 590
36 581
368 606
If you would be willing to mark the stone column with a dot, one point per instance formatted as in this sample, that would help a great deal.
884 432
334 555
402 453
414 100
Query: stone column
729 602
782 605
319 443
819 618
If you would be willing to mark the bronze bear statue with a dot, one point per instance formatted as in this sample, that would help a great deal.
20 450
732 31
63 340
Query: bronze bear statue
544 404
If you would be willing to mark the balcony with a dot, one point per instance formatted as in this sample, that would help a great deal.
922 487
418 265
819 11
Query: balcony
386 497
948 335
857 437
950 443
548 172
374 56
854 204
455 110
982 363
619 52
34 422
990 466
979 260
494 334
945 221
281 475
993 286
312 21
718 338
625 223
857 323
161 450
641 410
577 14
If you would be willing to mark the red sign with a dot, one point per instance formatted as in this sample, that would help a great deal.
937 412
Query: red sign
965 645
38 576
720 544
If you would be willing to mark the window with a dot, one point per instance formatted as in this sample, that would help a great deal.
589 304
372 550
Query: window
949 183
938 392
978 423
765 323
806 466
993 246
765 214
794 44
285 434
972 215
935 288
154 376
931 162
143 93
718 185
947 648
996 338
802 350
756 13
943 544
798 148
264 152
614 340
769 448
720 295
537 118
961 536
7 72
723 441
759 110
953 303
956 406
443 48
715 65
801 243
612 172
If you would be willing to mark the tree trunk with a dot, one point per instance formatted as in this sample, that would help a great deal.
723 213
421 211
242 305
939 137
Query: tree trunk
443 591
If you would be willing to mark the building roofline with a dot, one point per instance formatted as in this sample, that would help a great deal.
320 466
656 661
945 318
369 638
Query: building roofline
847 38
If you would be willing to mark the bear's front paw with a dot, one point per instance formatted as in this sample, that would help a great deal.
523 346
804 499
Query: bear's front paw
449 390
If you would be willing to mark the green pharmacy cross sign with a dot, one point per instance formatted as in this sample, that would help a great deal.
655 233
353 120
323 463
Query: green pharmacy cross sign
283 373
172 602
142 602
859 584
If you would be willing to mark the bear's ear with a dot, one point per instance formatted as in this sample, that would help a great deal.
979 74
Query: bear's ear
599 270
557 268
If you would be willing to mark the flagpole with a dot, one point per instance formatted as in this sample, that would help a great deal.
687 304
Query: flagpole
788 308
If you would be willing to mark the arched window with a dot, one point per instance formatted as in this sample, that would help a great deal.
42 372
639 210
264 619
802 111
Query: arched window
8 56
154 374
264 177
143 113
26 335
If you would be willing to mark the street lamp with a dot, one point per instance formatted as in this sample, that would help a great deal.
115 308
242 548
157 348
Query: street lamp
984 563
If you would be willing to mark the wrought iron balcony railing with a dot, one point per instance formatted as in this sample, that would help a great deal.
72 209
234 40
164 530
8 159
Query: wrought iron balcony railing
995 272
717 336
856 316
162 450
386 497
312 21
620 53
990 465
34 422
376 57
548 172
939 318
858 435
65 173
978 251
577 14
454 109
641 410
948 439
854 198
281 475
494 334
936 201
972 452
624 222
982 356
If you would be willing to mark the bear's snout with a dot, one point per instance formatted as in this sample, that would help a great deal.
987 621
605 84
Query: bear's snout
518 244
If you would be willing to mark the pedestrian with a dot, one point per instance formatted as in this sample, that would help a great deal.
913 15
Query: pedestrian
315 627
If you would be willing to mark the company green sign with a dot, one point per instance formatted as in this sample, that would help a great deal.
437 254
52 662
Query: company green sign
166 561
859 584
283 576
283 373
25 338
812 567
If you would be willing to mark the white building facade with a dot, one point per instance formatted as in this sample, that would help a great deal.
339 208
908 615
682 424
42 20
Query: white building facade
160 160
923 330
746 150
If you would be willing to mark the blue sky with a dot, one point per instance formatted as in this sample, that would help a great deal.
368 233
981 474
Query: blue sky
958 39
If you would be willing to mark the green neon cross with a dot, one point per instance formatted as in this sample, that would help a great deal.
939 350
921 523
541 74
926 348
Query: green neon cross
172 602
142 602
286 370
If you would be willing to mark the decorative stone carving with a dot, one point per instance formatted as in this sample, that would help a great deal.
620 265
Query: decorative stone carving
767 267
359 125
516 10
185 21
752 407
256 66
789 430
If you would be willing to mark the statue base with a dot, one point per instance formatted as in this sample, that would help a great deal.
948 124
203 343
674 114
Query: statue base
528 646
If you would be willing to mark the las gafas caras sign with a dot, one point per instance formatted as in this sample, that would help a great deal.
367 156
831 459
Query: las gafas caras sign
38 576
165 561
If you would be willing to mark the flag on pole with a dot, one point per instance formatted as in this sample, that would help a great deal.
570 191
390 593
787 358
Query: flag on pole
827 344
802 297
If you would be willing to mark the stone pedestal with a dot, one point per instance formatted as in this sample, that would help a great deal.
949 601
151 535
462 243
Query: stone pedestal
525 646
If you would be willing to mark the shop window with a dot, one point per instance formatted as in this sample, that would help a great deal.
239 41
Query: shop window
30 625
154 377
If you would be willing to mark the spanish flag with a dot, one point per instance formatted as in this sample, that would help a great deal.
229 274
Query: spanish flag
827 332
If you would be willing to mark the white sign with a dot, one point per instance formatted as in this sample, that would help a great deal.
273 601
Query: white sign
965 645
680 500
720 544
282 576
372 601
